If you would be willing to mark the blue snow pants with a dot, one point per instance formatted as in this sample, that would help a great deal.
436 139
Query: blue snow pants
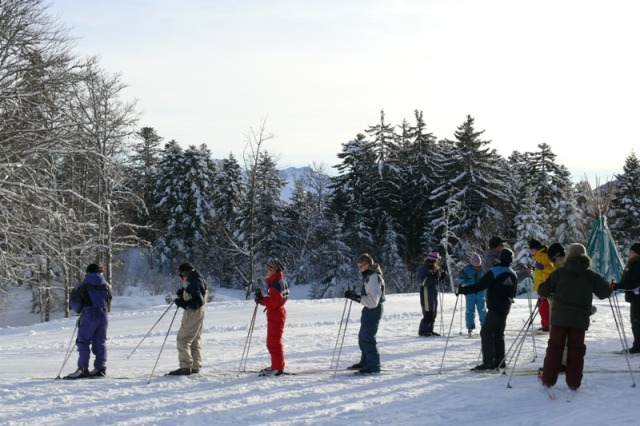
475 302
92 337
369 321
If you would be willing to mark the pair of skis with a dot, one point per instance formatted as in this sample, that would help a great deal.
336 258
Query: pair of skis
551 393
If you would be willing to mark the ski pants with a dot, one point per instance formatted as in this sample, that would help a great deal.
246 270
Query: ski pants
92 337
475 302
188 339
276 319
576 349
543 309
492 337
429 305
634 315
369 322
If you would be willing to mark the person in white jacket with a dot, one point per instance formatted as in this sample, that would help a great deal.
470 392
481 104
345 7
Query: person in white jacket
371 296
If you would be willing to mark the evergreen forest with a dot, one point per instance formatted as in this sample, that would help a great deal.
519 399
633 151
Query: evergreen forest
82 182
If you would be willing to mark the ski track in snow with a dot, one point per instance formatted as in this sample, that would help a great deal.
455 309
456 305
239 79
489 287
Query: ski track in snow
33 354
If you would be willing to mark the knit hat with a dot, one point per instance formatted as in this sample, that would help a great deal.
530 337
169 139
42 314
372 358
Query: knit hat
476 260
555 250
94 269
433 255
275 264
535 244
185 267
576 249
495 241
635 247
505 257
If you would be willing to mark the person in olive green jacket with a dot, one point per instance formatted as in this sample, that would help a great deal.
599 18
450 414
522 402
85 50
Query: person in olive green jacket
572 287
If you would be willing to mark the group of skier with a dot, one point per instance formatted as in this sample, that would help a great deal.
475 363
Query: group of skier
565 285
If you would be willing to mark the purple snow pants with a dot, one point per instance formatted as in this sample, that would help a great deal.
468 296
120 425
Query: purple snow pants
92 336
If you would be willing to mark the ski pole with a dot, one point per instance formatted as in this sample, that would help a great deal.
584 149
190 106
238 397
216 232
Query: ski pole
518 349
247 344
68 354
446 343
162 347
617 314
344 333
617 317
522 334
335 347
148 332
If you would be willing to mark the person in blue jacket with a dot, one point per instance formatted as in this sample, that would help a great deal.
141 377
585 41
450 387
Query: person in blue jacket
501 284
92 300
469 275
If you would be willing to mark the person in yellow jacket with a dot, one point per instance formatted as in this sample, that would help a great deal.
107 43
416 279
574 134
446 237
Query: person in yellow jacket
542 268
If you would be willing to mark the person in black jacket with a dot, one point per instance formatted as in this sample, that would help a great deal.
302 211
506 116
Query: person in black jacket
630 282
192 299
501 284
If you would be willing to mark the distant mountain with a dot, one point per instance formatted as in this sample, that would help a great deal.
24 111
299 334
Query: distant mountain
290 175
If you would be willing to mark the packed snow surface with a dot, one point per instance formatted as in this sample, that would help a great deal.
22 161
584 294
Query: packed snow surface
421 382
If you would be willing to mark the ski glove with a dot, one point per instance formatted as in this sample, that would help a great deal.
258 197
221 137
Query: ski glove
180 303
180 291
350 294
258 297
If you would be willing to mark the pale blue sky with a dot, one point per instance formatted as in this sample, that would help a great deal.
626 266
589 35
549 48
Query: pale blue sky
564 72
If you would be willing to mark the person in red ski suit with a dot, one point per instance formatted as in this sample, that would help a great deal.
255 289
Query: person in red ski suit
278 292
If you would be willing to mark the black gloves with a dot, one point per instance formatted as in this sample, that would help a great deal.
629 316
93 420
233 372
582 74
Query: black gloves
258 297
180 291
350 294
460 290
180 303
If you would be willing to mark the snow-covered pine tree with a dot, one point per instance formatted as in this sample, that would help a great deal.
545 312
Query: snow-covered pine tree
229 198
336 264
198 203
474 176
353 195
168 211
571 222
397 277
143 162
624 213
421 169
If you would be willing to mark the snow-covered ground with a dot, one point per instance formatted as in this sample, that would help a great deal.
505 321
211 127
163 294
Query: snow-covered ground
419 387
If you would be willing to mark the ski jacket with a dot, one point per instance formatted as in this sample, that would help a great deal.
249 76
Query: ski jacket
572 287
470 275
194 295
542 267
278 292
501 284
429 276
372 289
631 276
93 291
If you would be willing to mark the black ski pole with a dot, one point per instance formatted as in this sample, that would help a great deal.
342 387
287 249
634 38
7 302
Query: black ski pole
162 347
247 344
68 354
152 327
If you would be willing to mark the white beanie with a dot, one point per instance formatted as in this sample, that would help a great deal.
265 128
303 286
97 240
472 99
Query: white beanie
575 249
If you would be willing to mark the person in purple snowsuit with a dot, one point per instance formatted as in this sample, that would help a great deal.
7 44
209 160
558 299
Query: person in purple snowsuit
92 300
